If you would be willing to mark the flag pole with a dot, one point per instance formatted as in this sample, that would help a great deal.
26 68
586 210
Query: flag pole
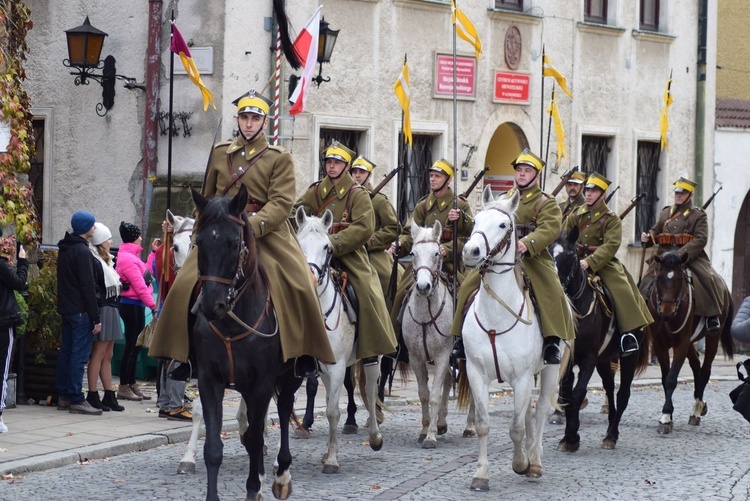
541 121
455 162
171 117
277 89
549 133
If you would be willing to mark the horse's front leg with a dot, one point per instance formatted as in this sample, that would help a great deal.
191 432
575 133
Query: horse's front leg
423 391
187 463
670 384
627 373
372 372
549 380
211 396
470 431
333 380
480 390
442 416
701 377
521 401
253 440
350 426
571 442
287 387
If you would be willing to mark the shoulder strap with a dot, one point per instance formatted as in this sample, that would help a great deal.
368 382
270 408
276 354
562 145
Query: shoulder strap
242 170
542 200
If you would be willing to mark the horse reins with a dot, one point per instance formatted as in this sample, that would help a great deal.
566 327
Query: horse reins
324 273
677 303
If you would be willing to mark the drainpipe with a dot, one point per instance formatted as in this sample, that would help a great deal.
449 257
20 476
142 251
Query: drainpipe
150 130
700 102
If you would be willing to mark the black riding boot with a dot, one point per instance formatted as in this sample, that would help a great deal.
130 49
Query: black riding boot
458 352
305 367
551 350
628 344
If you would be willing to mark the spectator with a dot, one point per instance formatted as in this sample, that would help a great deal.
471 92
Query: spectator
741 324
137 295
107 296
76 304
10 315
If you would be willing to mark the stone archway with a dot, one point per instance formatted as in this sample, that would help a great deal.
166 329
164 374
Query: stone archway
741 265
506 143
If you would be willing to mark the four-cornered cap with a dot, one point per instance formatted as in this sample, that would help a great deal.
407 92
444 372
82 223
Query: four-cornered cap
338 151
597 180
443 166
684 184
362 163
528 158
577 177
250 102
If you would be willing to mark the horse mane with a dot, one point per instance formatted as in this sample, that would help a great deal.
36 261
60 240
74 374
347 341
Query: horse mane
671 260
314 226
425 235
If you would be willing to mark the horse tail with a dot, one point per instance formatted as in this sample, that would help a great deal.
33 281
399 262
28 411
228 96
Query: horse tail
727 343
644 353
464 390
360 381
404 371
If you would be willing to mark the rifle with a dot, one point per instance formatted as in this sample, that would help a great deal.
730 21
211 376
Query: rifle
393 281
475 182
564 179
631 206
611 194
711 198
385 181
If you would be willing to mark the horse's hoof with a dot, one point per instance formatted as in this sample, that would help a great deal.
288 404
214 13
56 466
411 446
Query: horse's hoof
480 484
557 418
535 471
257 497
442 430
330 468
377 444
525 471
301 432
665 428
185 467
585 403
469 434
350 429
429 444
421 438
281 491
564 446
694 420
609 444
705 409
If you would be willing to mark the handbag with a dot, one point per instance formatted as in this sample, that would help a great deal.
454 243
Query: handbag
740 396
144 338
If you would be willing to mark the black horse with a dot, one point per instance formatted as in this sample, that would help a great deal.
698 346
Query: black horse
596 346
236 336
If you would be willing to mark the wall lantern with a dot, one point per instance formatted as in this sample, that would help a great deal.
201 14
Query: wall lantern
84 49
326 41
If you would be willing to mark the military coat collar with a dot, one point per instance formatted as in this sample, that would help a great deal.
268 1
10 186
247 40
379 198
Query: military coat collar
248 150
595 214
342 189
443 202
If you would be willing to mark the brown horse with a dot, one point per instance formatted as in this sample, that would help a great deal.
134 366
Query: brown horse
670 300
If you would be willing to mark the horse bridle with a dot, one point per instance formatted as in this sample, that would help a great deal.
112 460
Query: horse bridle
185 227
234 292
501 247
434 273
324 273
685 293
322 270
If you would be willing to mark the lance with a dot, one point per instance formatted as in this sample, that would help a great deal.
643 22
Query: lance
711 198
475 182
564 179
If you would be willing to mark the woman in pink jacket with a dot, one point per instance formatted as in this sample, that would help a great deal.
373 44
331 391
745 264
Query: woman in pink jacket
137 295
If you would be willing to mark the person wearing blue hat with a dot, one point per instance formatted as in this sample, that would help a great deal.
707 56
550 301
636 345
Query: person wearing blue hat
79 311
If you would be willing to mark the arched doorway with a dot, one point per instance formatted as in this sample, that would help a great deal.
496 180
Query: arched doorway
506 143
741 267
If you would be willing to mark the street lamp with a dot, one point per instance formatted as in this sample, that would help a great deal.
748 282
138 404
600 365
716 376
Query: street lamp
84 49
326 41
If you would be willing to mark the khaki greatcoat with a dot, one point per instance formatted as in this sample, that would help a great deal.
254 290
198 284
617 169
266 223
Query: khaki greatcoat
376 335
601 233
710 289
386 231
271 183
537 264
570 205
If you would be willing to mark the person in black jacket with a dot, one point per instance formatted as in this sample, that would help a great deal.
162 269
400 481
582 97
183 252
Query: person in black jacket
10 315
79 311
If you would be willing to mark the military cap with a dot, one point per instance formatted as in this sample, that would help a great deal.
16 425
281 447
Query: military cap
684 184
362 163
252 102
528 158
443 166
338 151
597 180
577 177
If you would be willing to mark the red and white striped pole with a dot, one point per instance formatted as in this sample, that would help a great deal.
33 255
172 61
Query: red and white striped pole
277 90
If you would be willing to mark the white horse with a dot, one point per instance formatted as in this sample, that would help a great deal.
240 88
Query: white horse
181 238
425 329
502 338
313 236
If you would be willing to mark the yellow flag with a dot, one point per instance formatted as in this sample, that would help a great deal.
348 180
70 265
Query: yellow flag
664 115
465 29
559 130
549 71
402 88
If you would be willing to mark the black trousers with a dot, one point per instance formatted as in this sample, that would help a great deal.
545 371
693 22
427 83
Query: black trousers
134 318
6 346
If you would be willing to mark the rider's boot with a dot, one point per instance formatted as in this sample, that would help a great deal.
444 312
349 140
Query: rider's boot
551 350
713 324
305 367
628 344
458 352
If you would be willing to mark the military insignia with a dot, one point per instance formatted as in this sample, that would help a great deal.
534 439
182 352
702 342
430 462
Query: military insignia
685 214
442 204
334 144
251 151
596 214
342 191
325 190
528 195
251 93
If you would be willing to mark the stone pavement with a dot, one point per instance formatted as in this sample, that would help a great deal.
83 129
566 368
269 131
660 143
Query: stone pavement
42 437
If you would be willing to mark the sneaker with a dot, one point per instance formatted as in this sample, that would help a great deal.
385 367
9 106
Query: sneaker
181 414
3 428
163 413
125 392
84 408
137 390
63 404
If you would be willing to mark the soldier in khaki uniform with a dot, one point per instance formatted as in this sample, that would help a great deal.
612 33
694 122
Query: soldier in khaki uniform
386 225
268 174
600 237
437 206
574 189
684 228
354 224
537 226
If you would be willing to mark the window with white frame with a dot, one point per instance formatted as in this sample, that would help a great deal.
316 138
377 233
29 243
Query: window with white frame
509 5
595 11
649 15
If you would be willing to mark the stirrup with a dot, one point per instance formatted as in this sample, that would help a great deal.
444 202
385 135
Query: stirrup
458 352
305 367
713 323
551 351
633 345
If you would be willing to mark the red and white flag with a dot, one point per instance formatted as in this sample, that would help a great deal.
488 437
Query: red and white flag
306 47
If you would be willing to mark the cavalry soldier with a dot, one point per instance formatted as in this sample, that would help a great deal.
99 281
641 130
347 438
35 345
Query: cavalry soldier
386 225
354 224
684 228
436 206
268 174
537 226
600 235
574 189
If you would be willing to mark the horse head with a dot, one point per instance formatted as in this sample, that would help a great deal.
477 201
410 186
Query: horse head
312 234
227 255
182 232
566 258
493 236
670 283
426 260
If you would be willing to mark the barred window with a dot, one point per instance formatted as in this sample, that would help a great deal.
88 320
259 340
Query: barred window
416 182
594 153
349 138
647 175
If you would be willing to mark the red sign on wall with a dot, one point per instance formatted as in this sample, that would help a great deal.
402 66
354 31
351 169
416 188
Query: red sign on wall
466 71
511 87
